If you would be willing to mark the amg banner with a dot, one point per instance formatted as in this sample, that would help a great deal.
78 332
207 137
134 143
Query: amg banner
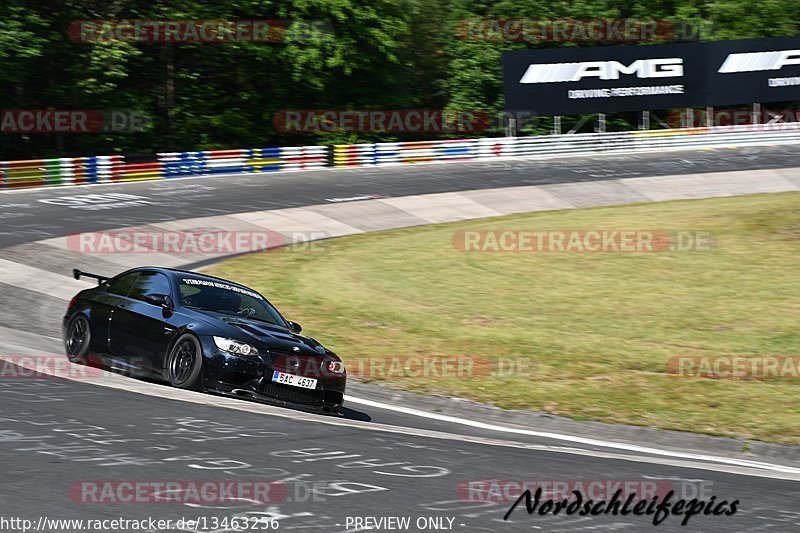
571 81
753 70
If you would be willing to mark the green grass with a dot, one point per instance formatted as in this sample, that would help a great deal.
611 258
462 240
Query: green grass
597 328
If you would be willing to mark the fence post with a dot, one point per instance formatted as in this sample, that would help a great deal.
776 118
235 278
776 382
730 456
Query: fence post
601 123
511 130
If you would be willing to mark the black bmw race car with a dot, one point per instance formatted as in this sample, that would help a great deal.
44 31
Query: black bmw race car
200 332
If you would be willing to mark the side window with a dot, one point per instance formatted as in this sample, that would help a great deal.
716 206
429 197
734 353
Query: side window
150 283
122 285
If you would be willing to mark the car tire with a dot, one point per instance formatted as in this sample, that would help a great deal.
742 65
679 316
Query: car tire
78 339
184 364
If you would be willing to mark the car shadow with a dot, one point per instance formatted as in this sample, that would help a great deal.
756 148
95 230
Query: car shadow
352 414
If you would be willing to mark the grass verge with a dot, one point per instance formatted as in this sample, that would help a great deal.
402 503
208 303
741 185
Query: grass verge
594 331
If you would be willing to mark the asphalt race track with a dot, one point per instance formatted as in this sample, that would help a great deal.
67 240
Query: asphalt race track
50 445
59 436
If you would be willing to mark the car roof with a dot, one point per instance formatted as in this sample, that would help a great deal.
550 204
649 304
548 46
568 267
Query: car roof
175 272
178 271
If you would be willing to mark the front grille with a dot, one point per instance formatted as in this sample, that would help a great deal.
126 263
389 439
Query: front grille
293 394
297 363
276 353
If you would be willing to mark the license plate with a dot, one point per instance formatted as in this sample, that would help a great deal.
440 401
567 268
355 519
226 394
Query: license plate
294 381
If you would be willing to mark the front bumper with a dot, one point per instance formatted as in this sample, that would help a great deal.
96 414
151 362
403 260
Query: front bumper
251 378
245 394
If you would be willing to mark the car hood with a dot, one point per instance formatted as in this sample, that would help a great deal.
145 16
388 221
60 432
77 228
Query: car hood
276 339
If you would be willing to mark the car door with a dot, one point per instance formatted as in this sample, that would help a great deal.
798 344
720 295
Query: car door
141 329
102 308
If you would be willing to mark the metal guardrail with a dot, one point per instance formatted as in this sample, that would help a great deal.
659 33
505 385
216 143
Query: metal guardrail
61 171
110 169
563 145
243 160
105 169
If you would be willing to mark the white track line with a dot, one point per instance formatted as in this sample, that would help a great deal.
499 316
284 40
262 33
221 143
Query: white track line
573 439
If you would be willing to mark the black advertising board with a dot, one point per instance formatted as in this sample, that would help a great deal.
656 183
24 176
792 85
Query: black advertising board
753 70
571 81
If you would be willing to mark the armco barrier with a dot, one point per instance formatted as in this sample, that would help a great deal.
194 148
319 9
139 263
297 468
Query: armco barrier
140 171
561 145
243 160
98 169
181 163
62 171
102 169
353 155
304 157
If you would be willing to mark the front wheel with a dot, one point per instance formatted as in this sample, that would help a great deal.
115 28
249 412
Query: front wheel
77 339
185 363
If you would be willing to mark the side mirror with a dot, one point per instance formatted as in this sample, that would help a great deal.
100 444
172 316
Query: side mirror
294 327
161 300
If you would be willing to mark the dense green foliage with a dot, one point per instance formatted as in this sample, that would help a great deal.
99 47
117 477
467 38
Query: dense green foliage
376 54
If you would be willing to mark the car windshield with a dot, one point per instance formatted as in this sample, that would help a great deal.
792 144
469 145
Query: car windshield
225 298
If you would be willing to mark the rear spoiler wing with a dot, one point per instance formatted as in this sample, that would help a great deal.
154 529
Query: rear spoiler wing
77 275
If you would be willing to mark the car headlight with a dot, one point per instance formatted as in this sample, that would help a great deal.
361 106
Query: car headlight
235 347
336 367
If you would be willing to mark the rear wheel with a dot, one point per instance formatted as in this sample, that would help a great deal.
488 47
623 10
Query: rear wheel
78 339
185 363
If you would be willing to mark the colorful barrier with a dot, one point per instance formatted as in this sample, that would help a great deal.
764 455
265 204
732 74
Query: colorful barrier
104 169
427 151
177 164
304 157
351 155
397 153
61 171
140 172
243 160
262 160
